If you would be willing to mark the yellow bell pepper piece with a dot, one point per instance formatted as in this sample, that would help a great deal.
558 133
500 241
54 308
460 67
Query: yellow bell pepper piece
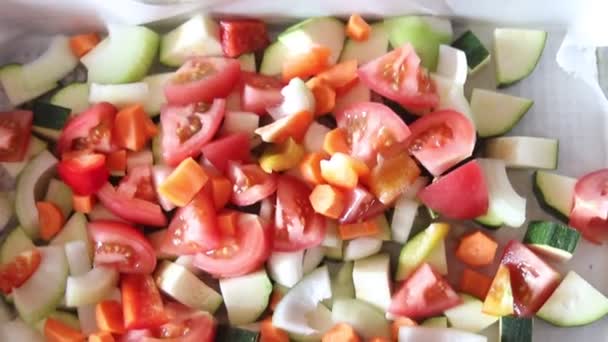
282 157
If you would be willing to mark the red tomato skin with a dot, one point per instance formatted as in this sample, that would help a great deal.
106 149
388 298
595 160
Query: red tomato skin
173 117
219 76
589 214
138 183
243 36
251 183
18 270
454 149
185 325
100 115
131 209
532 280
260 92
17 124
360 205
84 174
141 302
233 147
423 294
461 194
118 233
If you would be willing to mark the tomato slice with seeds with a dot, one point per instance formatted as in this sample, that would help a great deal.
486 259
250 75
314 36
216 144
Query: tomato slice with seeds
194 228
84 173
589 213
122 246
142 304
372 129
240 254
260 92
16 272
89 130
243 36
360 205
131 209
441 140
138 184
202 79
398 76
296 225
185 325
15 131
251 183
233 147
185 130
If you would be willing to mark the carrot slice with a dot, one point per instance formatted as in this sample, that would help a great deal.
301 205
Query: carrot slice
102 336
51 219
57 331
343 170
335 141
379 339
227 221
108 314
357 28
184 182
310 168
294 126
81 44
398 323
325 98
341 332
475 283
270 333
221 190
133 128
339 75
83 204
359 229
476 249
117 162
327 200
306 64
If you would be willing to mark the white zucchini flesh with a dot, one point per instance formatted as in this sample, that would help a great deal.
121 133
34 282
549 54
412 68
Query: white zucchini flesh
517 51
247 62
35 147
240 122
438 258
312 258
405 212
524 152
285 268
372 281
361 247
417 334
468 315
451 95
320 31
557 191
358 93
14 85
496 113
6 209
53 65
60 194
120 95
366 319
297 98
17 330
314 137
74 96
199 36
91 287
79 261
155 98
452 64
373 47
246 297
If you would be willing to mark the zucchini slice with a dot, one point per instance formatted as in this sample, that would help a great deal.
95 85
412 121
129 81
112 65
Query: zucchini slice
495 113
74 96
551 239
524 152
555 193
372 281
517 53
476 53
246 297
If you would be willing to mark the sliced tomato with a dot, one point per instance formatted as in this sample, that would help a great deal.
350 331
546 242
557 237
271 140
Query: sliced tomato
251 183
240 254
193 228
138 183
122 246
441 140
372 129
297 225
589 213
424 294
360 205
398 76
185 130
233 147
15 131
16 272
89 130
260 92
532 280
243 36
202 79
466 186
84 173
135 335
185 325
142 305
131 209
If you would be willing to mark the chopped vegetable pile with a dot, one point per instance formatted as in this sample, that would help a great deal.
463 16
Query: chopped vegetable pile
260 190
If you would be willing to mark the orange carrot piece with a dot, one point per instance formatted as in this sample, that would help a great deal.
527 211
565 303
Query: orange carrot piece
346 88
184 182
306 64
389 179
221 190
275 298
83 204
398 323
117 162
81 44
339 75
325 98
343 170
270 333
327 200
351 231
475 283
102 336
310 168
379 339
341 332
335 141
133 128
476 249
108 314
57 331
357 29
293 126
51 219
227 221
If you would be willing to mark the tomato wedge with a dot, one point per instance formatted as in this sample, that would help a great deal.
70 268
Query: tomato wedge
185 130
372 129
260 92
466 186
193 229
84 173
130 208
185 325
251 183
89 130
142 305
398 76
138 184
202 79
233 147
532 280
15 131
243 36
16 272
360 205
441 140
589 213
122 246
297 225
240 254
424 294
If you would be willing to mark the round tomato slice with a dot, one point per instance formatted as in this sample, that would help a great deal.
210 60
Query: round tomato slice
202 79
16 272
138 184
466 186
122 246
185 325
260 92
15 131
589 213
185 130
398 76
441 140
360 205
251 183
233 147
240 254
372 129
297 225
84 173
132 209
89 130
